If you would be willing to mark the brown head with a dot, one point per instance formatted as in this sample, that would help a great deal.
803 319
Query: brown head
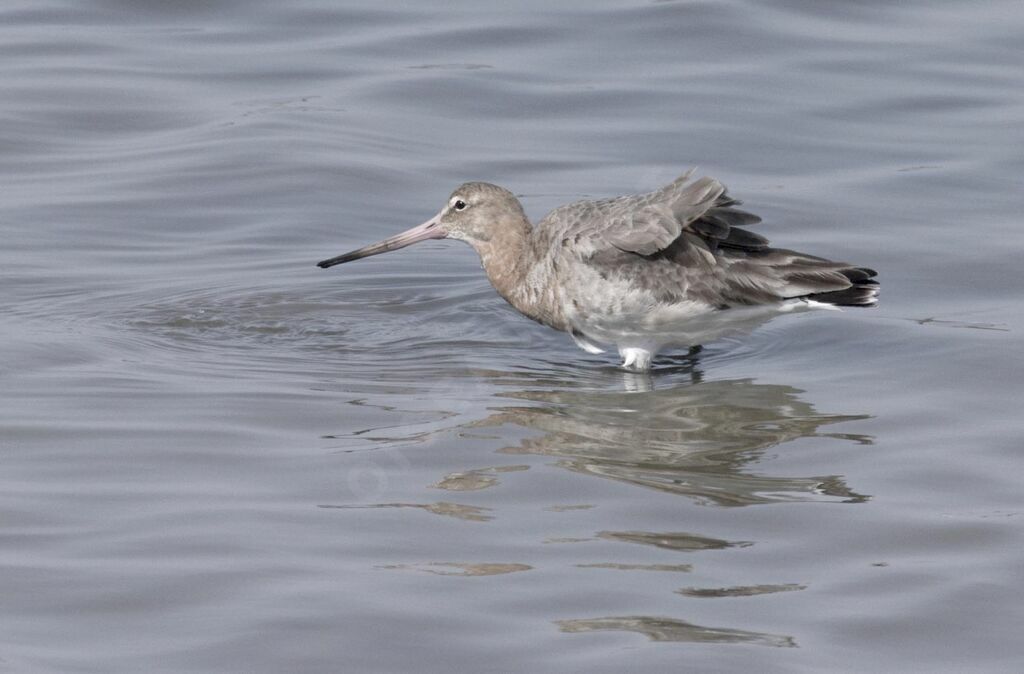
483 215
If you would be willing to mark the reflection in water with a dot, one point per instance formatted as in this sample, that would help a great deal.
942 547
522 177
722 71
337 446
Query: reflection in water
566 539
670 629
477 569
456 510
472 480
739 591
694 440
567 508
673 541
674 568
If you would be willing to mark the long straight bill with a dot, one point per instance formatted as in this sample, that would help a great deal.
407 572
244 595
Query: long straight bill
431 229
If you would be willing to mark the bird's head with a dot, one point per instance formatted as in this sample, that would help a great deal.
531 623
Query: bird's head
475 213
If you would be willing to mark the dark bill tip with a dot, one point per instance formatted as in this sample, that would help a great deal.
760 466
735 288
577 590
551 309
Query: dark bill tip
324 264
430 229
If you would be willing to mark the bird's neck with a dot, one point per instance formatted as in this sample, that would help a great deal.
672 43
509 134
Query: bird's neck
506 257
510 259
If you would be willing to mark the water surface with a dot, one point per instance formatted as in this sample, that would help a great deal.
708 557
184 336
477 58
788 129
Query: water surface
217 457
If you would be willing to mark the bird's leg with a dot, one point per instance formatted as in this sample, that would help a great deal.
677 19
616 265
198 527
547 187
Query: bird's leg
637 382
635 358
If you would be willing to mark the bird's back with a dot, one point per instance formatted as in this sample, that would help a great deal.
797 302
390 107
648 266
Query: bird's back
675 254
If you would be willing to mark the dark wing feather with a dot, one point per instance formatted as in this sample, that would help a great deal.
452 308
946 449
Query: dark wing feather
744 240
711 227
721 225
733 217
705 208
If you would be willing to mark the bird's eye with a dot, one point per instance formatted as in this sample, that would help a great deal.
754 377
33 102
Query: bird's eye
460 205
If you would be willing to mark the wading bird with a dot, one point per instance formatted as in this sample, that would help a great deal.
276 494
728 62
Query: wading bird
668 269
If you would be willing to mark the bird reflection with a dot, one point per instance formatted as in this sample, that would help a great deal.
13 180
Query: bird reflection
695 439
672 431
670 629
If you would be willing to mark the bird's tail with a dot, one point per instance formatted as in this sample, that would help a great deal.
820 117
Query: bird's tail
863 291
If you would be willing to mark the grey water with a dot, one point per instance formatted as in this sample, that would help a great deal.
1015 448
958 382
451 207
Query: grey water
215 457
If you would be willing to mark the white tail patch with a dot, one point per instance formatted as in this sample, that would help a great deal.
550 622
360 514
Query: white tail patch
584 343
808 304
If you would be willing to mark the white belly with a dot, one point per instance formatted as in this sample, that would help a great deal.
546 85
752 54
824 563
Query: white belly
675 326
